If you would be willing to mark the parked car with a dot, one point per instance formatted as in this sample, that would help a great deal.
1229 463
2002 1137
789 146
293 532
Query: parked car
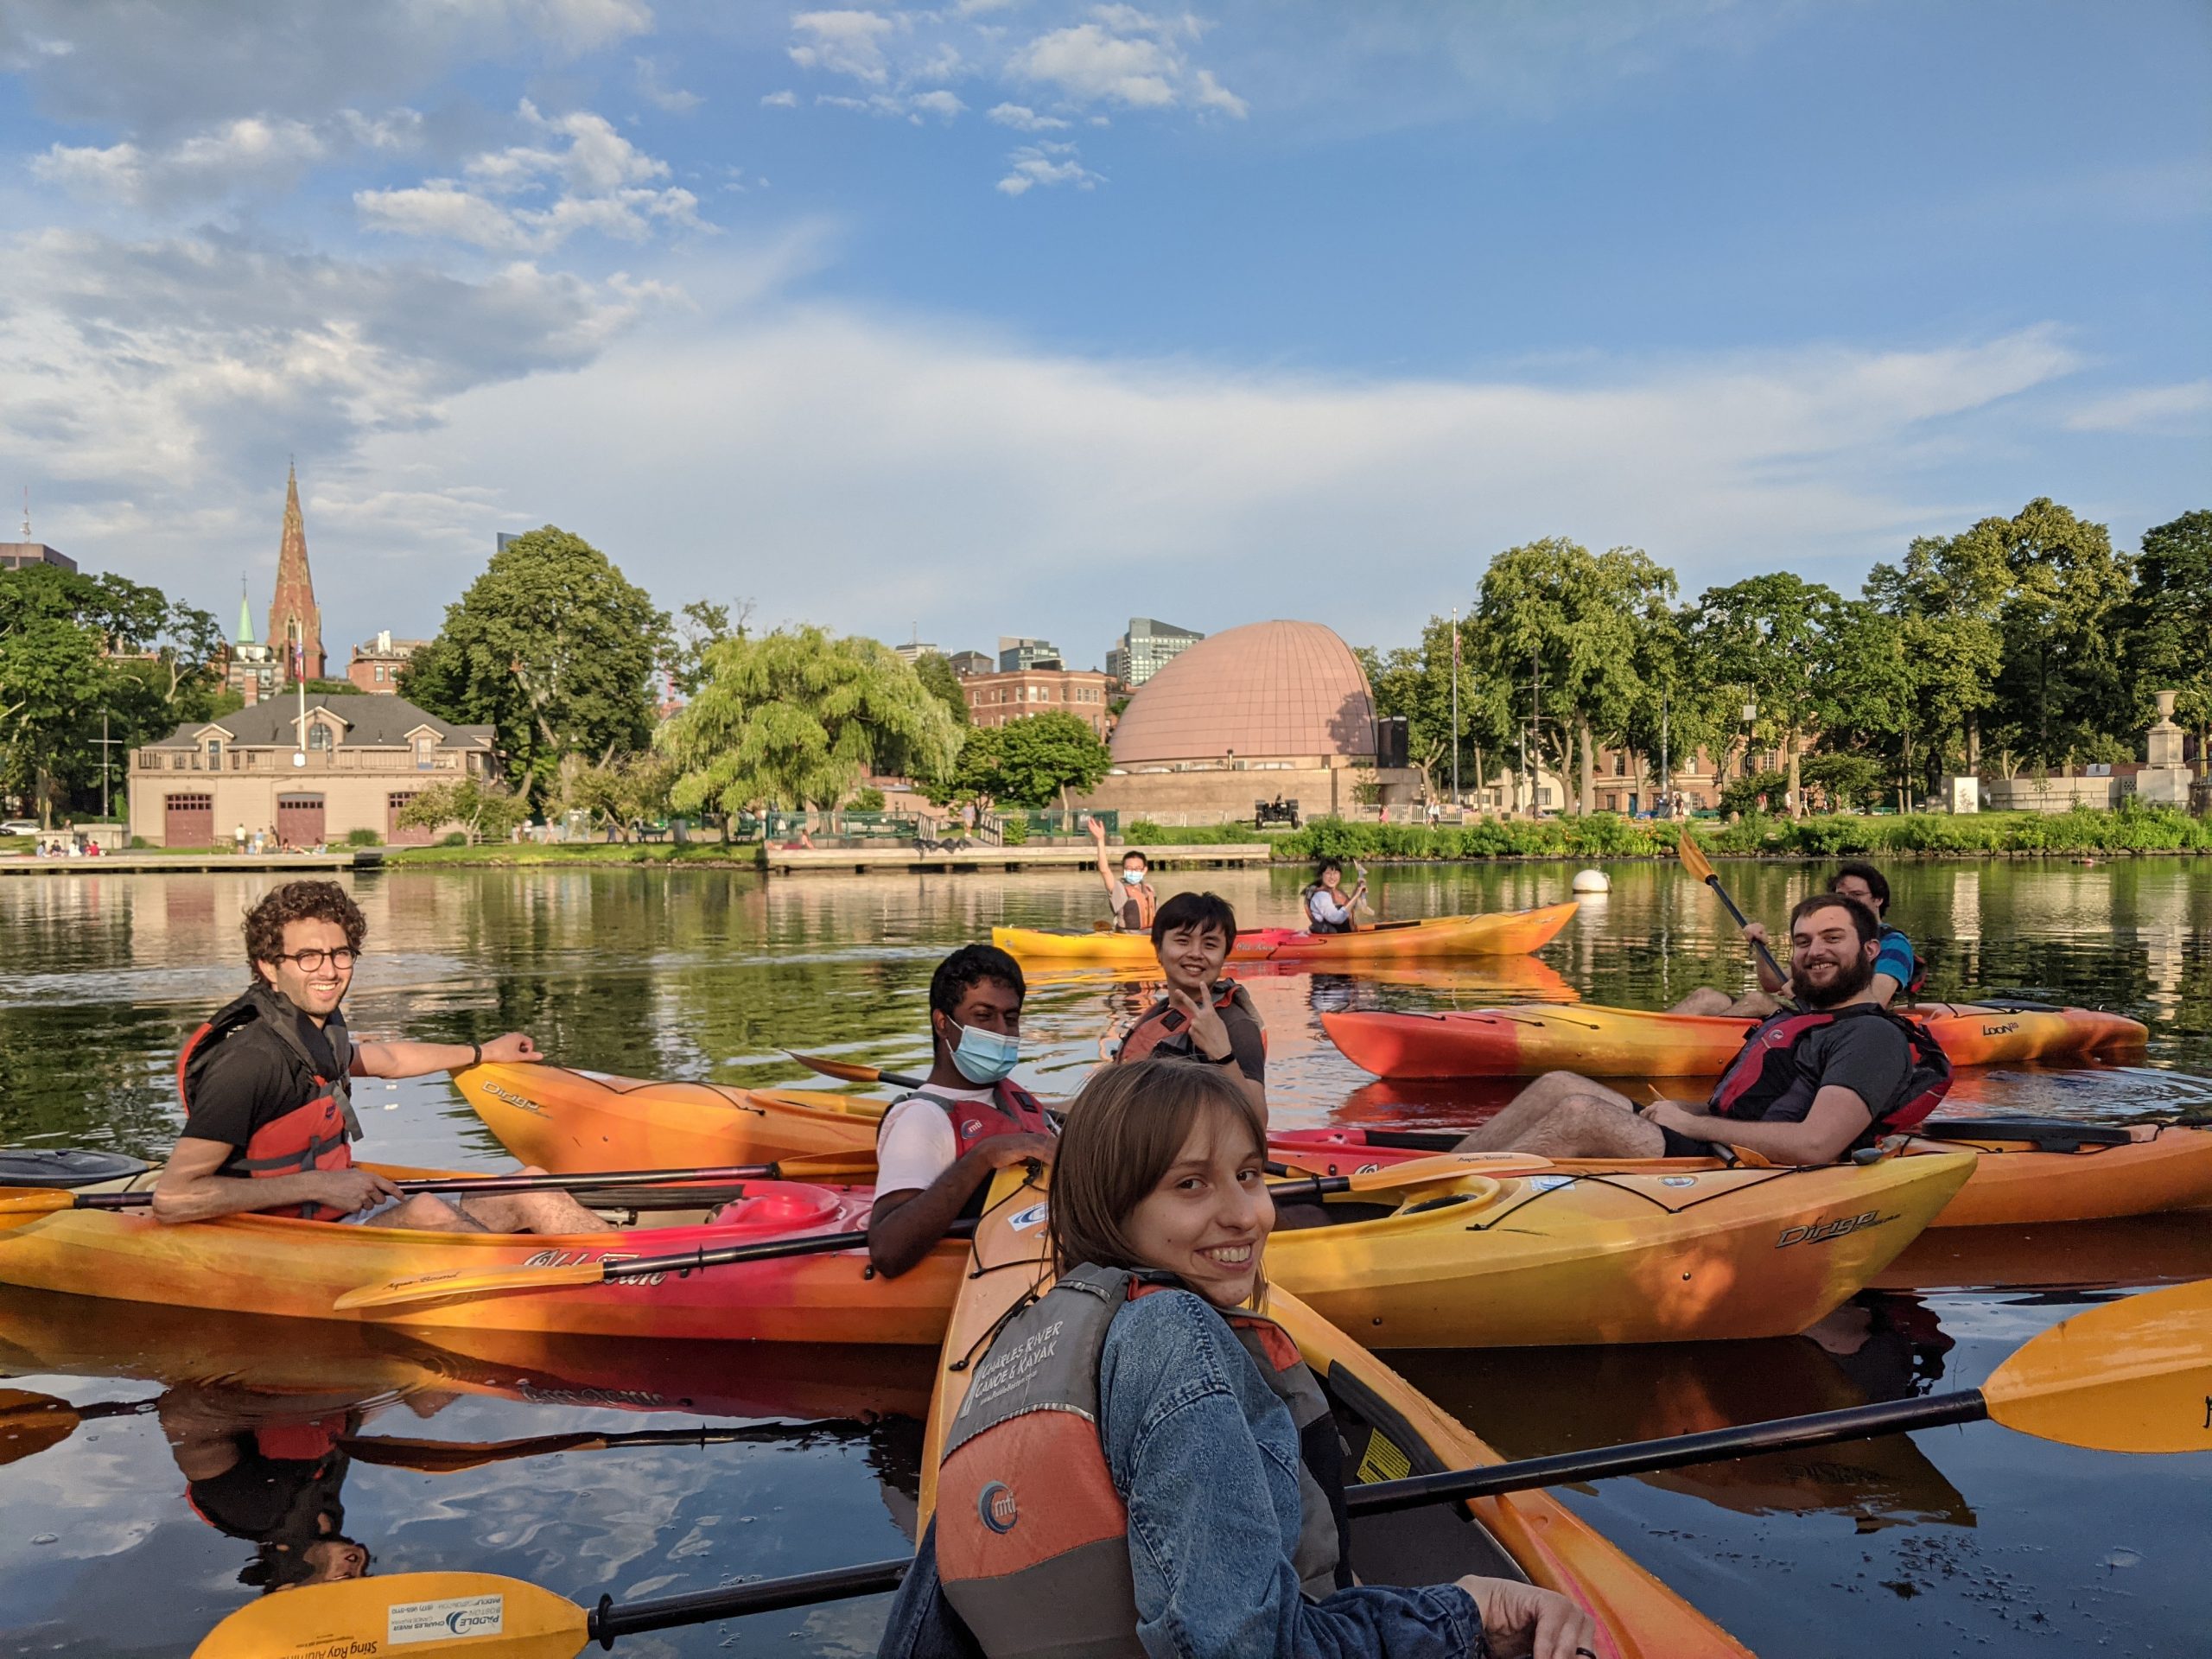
19 827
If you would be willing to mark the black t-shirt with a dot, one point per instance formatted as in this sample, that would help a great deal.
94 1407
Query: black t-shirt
1248 1035
1865 1053
238 1085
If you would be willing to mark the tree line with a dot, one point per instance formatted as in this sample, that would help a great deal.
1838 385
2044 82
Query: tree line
2021 644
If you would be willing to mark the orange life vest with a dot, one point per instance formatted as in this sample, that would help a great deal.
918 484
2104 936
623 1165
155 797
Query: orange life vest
1138 906
1159 1022
314 1135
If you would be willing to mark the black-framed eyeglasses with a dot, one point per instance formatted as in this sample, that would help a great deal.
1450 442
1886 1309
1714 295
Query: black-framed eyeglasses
313 961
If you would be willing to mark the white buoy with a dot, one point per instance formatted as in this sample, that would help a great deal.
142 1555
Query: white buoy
1592 881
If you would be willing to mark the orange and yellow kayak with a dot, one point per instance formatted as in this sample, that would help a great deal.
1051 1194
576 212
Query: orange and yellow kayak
1524 1255
1602 1042
1389 1428
1508 933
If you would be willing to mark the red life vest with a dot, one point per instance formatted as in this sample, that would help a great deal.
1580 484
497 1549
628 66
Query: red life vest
1765 1072
314 1135
1154 1026
1013 1110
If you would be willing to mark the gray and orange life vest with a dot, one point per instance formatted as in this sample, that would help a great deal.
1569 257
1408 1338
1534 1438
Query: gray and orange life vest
314 1135
1766 1074
1136 907
1012 1110
1028 1517
1161 1021
1314 923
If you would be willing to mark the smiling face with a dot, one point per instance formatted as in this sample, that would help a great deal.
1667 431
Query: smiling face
1208 1218
1855 887
1828 964
316 992
1192 957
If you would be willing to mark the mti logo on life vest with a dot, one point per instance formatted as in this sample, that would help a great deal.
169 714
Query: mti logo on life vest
1029 1220
1819 1232
996 1507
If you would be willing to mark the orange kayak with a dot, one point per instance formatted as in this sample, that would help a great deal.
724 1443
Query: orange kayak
2025 1173
289 1269
1508 933
570 1121
1602 1042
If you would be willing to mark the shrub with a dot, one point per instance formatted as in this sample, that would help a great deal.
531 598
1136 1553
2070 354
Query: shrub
866 800
363 837
454 838
1013 832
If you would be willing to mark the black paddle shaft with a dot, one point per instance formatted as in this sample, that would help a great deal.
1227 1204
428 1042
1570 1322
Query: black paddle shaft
1818 1429
609 1621
467 1186
1742 920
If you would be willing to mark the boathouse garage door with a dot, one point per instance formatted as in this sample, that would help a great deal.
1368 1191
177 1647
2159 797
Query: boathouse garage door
299 820
395 804
188 821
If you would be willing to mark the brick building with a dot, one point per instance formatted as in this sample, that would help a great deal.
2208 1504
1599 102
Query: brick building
356 762
994 699
375 664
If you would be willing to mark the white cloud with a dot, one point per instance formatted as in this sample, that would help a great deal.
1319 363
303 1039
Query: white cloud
910 107
1046 163
940 104
250 153
1022 118
2176 408
600 183
674 99
1125 57
786 99
843 42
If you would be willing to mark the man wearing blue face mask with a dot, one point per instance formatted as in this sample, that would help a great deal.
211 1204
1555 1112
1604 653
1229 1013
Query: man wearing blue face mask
938 1147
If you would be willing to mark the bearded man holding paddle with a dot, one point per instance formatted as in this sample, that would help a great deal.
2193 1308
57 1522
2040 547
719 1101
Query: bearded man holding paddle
269 1119
1810 1083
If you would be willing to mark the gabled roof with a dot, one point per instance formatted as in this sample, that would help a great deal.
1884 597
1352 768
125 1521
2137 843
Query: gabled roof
369 723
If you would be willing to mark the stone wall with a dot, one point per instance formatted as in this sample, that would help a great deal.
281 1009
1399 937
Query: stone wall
1220 795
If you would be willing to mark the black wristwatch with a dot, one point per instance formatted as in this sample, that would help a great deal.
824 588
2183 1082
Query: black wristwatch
476 1053
1228 1058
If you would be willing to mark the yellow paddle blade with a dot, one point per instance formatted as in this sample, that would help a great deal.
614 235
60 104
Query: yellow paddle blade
844 1070
1693 855
443 1286
409 1616
29 1423
2131 1375
27 1205
856 1165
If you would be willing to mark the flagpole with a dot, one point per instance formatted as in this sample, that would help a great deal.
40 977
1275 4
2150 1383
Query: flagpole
1456 808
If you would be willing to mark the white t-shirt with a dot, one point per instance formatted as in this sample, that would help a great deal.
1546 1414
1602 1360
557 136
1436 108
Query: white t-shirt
917 1142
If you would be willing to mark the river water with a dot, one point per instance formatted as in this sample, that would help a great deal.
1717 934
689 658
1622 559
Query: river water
142 1513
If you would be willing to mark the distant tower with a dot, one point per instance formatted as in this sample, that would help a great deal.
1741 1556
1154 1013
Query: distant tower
244 636
295 623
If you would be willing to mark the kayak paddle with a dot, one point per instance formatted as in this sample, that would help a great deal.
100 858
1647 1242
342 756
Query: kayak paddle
2131 1376
27 1204
1701 869
32 1422
846 1071
448 1285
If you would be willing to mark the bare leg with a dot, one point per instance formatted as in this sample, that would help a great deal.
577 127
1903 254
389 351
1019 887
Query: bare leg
1585 1126
1754 1004
1704 1000
426 1213
1505 1131
533 1213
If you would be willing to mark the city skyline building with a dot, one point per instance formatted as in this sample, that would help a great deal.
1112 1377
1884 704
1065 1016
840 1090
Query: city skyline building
1018 654
1148 646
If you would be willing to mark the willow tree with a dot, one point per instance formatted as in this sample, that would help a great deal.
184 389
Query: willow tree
795 719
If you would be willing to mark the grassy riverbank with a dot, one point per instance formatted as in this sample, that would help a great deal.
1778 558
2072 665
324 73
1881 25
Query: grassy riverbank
1605 835
744 855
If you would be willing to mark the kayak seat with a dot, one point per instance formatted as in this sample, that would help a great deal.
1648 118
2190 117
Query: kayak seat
64 1167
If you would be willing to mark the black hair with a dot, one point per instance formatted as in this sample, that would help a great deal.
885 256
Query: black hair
1129 853
1197 910
969 966
1877 883
1327 864
1862 919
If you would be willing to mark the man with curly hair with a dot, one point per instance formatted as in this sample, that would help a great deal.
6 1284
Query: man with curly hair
269 1119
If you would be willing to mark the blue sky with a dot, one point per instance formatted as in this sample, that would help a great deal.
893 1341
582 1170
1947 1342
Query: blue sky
1023 316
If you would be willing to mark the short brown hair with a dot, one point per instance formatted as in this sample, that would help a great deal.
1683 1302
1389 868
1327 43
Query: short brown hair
1862 919
1124 1130
300 901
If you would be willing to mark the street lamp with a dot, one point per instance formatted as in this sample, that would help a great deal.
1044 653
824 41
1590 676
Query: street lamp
1750 718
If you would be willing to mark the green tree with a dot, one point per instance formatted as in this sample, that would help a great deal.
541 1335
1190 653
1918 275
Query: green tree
1041 756
702 623
1765 635
2060 692
935 668
554 649
2169 624
1559 631
794 718
628 789
1864 697
975 774
484 811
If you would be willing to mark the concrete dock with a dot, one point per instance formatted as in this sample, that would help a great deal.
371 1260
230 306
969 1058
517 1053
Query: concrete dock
198 862
904 855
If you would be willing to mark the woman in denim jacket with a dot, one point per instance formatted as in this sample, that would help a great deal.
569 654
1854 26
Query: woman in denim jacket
1161 1174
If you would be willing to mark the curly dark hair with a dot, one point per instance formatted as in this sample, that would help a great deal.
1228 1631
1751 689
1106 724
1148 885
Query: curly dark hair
300 901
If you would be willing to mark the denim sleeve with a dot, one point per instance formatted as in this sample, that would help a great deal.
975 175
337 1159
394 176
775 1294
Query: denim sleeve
1213 1507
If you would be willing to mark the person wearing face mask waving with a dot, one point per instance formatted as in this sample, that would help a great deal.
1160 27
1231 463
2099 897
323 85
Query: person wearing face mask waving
938 1147
1128 894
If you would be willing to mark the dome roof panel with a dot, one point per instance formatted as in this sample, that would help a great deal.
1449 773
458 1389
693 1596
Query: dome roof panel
1264 690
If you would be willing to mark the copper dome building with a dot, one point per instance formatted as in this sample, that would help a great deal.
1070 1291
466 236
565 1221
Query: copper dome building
1268 691
1271 709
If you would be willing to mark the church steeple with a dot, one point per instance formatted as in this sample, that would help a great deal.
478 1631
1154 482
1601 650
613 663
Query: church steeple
295 622
244 636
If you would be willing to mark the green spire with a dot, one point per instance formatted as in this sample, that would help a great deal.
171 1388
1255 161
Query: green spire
245 618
